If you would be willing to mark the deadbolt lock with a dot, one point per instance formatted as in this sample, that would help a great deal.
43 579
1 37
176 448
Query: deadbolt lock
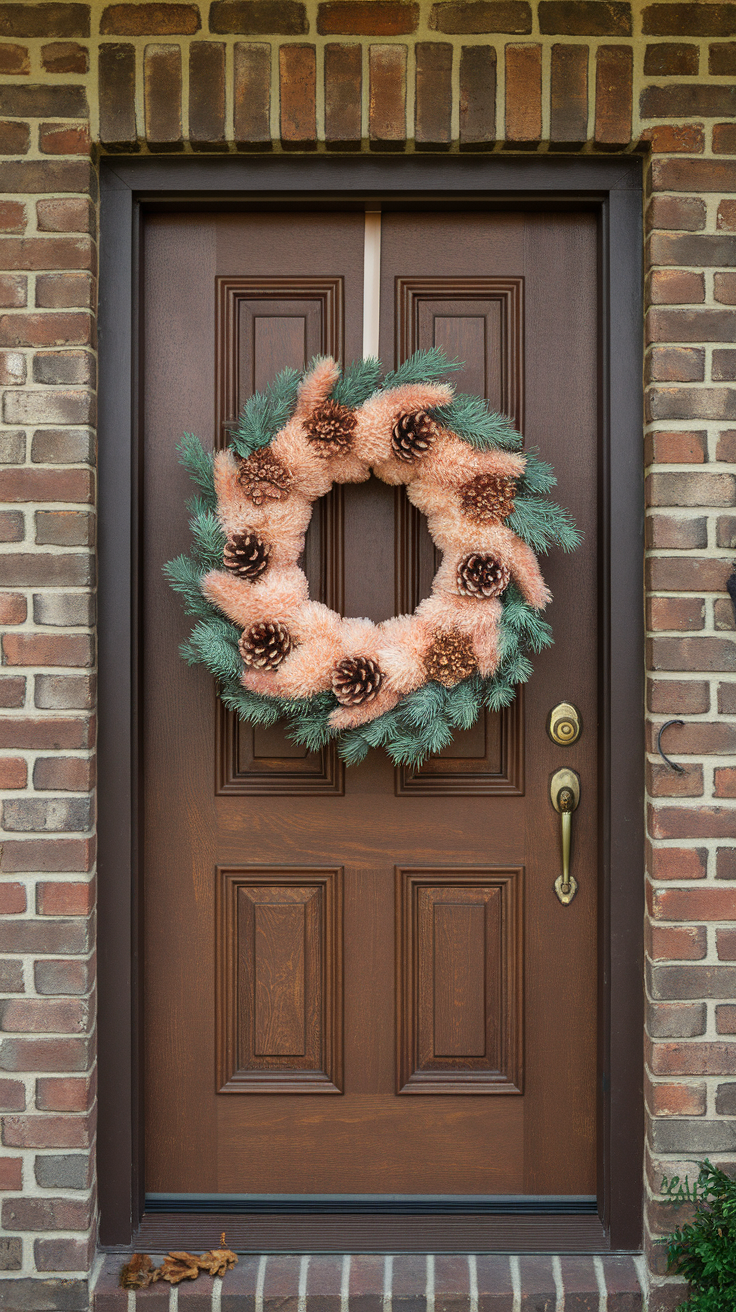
564 726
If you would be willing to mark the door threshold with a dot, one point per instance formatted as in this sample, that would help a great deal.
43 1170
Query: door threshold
375 1204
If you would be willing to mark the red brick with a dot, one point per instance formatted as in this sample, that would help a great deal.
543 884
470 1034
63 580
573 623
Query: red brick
12 216
44 1016
60 214
696 175
65 773
675 574
691 325
467 17
252 95
11 1173
677 943
12 900
677 1099
676 287
724 139
46 734
692 822
691 19
723 614
726 217
670 534
477 96
664 782
585 18
725 782
673 139
678 697
42 101
13 608
675 364
64 1254
676 213
693 1058
13 772
43 1055
12 1096
691 654
696 903
613 95
54 854
523 93
150 20
117 95
433 97
65 57
61 899
48 175
12 693
60 139
259 17
670 58
15 139
569 95
687 100
367 17
688 489
726 944
676 448
45 329
722 59
63 977
62 291
680 613
46 1214
24 484
13 290
64 1095
726 1020
727 698
207 95
12 369
387 96
725 288
678 862
162 96
14 59
47 649
298 90
343 95
44 19
667 402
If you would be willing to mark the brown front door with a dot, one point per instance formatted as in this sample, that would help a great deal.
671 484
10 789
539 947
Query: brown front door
361 981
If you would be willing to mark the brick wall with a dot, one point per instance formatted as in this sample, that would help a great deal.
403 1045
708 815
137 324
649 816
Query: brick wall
279 75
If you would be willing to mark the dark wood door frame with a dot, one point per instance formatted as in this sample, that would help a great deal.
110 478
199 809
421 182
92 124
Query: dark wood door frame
612 188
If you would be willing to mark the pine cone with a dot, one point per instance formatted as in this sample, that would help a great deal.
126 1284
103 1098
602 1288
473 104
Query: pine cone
263 477
413 435
482 576
450 658
488 496
330 429
246 554
356 680
265 645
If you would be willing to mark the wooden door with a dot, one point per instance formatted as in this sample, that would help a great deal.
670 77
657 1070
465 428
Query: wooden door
361 981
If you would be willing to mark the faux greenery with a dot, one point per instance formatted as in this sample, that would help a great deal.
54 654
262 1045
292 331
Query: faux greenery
704 1249
424 721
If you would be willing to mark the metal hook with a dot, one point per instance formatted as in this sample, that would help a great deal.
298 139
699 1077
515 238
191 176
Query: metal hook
672 764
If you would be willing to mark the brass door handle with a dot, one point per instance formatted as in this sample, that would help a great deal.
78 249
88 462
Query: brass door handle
564 790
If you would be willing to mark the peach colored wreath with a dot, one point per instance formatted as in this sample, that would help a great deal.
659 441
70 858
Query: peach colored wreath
293 648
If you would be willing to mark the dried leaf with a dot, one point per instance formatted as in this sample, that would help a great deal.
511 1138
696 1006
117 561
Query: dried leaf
217 1261
179 1266
139 1272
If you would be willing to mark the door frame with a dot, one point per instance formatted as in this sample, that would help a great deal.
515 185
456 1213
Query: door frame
612 188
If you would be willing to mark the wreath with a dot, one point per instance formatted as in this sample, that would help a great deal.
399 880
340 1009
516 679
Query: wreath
407 683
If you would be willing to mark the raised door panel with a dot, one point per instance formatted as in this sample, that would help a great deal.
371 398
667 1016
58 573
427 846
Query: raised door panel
480 321
279 968
265 325
459 986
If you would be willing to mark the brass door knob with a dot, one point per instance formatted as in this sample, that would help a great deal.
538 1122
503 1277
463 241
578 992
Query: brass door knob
564 725
564 791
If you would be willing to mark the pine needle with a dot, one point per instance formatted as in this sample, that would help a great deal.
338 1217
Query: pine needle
358 382
184 575
422 367
541 523
352 747
199 464
470 418
266 413
539 477
209 538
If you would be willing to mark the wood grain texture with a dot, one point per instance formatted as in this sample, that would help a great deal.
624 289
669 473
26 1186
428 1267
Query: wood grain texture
278 957
460 981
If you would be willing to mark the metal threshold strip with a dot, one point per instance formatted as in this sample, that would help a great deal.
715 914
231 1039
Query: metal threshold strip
376 1204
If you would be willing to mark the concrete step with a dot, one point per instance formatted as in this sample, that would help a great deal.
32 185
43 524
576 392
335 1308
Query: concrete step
403 1282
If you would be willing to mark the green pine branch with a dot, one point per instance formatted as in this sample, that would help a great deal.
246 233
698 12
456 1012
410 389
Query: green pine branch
199 464
266 413
470 418
422 367
542 523
538 477
207 532
185 577
358 383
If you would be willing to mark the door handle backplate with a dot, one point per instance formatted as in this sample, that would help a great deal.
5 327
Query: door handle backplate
564 791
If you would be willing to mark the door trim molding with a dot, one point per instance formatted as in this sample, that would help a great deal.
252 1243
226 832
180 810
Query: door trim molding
613 189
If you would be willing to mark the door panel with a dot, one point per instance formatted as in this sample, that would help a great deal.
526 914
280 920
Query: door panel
266 866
